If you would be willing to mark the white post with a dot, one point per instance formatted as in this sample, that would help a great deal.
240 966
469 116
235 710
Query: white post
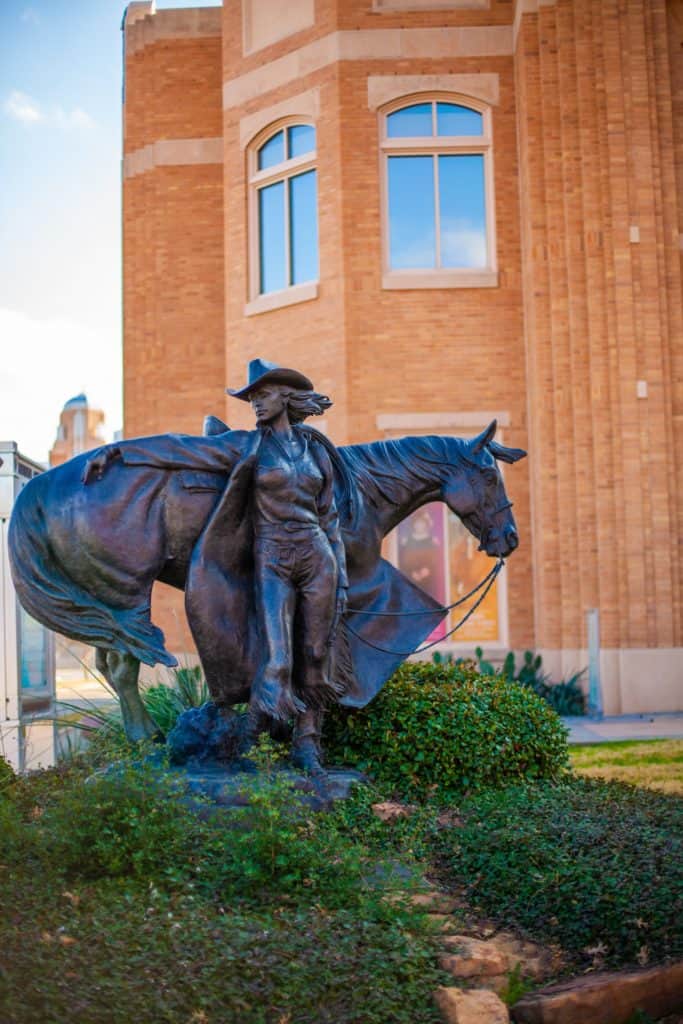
594 687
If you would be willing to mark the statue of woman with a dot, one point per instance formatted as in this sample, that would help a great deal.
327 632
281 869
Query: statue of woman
300 579
299 559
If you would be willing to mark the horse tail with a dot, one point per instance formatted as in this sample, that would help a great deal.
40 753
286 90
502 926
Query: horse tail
49 594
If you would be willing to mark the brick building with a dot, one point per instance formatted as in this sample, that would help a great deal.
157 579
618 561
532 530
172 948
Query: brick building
78 430
499 197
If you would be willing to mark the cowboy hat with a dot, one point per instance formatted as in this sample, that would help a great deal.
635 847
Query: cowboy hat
262 372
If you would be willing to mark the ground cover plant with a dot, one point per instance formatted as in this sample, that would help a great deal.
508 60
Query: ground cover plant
594 866
655 764
124 900
124 903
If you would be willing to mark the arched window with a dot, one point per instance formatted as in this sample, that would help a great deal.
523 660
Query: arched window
284 208
438 193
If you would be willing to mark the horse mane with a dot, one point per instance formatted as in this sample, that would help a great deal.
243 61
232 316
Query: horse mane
347 501
421 460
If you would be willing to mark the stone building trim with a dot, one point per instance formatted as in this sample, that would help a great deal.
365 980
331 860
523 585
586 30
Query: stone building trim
394 421
287 297
144 26
261 28
380 6
173 153
305 104
369 44
385 88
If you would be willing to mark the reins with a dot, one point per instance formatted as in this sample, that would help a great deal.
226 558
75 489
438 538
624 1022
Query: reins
486 583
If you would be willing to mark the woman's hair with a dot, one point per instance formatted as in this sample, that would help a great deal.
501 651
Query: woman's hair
302 404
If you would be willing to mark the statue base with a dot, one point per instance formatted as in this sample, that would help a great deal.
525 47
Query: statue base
229 787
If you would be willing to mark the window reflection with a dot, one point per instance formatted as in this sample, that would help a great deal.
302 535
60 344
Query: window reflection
272 152
462 211
412 239
303 228
454 120
286 209
272 237
300 140
436 198
414 121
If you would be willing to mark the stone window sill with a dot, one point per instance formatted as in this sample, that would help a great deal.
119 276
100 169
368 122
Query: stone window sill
286 297
407 279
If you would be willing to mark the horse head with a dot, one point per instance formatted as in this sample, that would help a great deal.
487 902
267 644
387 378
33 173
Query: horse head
476 493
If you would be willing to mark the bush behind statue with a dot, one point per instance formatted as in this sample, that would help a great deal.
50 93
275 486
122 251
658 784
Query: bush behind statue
449 728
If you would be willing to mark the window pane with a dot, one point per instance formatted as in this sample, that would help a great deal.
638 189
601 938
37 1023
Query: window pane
303 226
454 120
272 250
33 646
411 212
272 152
300 140
410 121
462 211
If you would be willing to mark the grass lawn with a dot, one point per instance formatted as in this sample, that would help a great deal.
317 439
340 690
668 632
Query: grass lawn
654 764
122 903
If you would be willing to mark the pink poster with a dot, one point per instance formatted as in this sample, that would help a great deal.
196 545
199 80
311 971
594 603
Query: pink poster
421 554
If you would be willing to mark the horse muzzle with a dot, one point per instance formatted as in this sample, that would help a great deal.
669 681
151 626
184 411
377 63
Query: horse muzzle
500 545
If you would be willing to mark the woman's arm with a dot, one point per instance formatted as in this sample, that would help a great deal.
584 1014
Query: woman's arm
329 517
216 454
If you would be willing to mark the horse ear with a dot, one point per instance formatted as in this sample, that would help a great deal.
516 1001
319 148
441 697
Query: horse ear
503 454
486 436
214 426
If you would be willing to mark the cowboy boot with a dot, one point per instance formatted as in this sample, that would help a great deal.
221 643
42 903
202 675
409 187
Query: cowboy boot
306 751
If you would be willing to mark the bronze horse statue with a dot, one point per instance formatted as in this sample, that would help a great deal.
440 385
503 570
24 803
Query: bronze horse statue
84 558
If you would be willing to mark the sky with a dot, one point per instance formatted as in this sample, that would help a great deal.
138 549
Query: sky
60 208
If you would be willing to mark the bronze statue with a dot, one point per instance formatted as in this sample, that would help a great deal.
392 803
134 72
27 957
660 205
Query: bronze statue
264 530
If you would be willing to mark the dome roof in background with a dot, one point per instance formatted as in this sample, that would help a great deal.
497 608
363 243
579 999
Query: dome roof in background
78 401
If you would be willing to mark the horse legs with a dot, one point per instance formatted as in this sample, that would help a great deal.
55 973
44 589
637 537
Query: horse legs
121 672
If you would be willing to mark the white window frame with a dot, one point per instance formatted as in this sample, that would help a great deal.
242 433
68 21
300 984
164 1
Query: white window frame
259 302
437 145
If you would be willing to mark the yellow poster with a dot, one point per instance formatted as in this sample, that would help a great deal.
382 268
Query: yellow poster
467 567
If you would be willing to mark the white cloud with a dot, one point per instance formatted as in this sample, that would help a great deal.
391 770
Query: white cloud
23 108
30 17
46 362
75 118
463 246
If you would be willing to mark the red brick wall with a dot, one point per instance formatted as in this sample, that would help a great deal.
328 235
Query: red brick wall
601 313
588 144
174 348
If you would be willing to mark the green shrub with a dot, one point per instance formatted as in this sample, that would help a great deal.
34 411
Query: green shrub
446 729
594 866
7 775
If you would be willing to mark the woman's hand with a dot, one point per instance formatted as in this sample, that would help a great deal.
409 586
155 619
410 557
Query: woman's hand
97 463
342 603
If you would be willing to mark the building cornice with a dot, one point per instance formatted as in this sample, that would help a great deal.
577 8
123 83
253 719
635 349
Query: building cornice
526 7
143 28
369 44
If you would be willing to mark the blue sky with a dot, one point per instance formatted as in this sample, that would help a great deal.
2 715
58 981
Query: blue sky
60 245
